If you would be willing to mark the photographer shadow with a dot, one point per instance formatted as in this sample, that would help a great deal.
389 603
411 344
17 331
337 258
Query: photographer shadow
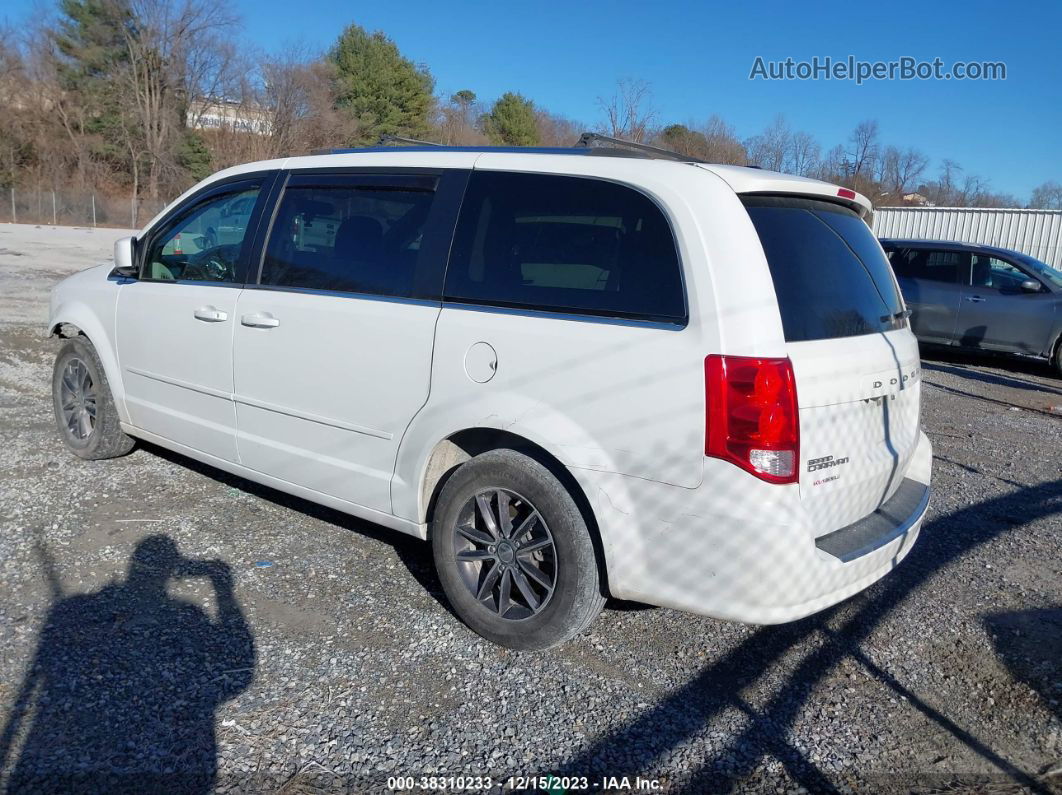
122 690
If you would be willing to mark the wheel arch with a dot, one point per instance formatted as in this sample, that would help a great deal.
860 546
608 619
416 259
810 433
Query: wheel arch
73 320
1054 353
461 446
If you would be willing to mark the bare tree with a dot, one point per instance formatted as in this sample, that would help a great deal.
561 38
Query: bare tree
554 130
955 188
1047 196
864 148
721 143
458 122
944 190
910 167
834 166
629 113
770 148
171 56
803 155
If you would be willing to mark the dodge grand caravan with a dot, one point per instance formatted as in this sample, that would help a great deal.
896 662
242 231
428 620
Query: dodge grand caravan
578 375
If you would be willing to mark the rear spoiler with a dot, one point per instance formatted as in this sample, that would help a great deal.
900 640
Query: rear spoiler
749 180
860 205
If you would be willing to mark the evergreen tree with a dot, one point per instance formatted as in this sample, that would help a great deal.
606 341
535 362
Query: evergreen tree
383 91
90 51
511 121
193 156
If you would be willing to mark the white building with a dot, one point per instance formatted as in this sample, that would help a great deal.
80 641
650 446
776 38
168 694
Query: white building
212 113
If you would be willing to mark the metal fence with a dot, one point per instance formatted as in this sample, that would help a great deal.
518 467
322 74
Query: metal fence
1037 233
70 208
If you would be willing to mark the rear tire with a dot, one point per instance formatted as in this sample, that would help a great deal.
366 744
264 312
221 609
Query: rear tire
85 414
527 577
1056 360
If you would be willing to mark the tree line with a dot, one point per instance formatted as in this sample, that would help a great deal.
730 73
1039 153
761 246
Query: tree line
150 96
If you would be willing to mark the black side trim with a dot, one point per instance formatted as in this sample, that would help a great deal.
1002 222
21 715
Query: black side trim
894 518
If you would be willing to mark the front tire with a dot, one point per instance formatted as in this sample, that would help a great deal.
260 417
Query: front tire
85 413
514 554
1056 360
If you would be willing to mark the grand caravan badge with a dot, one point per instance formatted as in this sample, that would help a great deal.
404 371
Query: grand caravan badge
826 462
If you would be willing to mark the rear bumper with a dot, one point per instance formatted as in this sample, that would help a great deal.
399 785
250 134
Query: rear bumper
739 549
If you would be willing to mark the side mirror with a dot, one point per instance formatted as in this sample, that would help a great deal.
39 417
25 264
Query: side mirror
1030 286
125 258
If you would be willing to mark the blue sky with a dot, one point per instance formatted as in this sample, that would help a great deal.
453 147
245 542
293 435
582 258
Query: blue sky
697 57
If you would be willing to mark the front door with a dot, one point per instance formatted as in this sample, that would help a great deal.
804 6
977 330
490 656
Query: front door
997 313
175 323
333 347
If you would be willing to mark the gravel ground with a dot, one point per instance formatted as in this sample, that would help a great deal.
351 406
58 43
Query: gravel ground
163 625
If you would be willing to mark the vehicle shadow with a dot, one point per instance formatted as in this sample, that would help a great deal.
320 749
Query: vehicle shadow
121 692
413 553
1029 644
688 710
941 359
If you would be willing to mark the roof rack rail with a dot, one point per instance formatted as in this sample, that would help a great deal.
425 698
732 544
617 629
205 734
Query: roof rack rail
387 138
588 139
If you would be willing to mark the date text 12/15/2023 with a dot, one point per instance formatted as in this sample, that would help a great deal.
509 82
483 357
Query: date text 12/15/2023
546 783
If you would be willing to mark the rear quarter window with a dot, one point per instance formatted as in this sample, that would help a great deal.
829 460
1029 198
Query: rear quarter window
564 244
830 275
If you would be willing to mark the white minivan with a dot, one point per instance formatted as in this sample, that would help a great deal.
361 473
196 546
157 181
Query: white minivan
579 372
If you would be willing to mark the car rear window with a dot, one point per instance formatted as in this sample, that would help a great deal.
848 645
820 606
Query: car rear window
830 275
564 244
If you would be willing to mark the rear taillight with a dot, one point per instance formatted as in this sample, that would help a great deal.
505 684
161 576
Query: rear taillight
751 415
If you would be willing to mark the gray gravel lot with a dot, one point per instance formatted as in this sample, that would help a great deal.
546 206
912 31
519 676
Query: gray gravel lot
142 646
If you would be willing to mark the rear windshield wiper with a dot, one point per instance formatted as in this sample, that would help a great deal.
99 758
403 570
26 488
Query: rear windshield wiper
903 314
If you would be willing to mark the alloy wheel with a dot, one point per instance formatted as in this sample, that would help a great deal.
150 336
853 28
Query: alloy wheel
505 554
77 399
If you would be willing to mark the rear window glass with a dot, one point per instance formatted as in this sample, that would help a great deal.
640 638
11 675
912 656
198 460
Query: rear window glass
830 275
564 244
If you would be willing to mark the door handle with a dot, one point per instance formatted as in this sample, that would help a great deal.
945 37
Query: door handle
210 314
260 320
975 299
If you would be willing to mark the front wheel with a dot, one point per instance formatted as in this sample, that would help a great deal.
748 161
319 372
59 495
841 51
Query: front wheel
84 409
513 552
1056 360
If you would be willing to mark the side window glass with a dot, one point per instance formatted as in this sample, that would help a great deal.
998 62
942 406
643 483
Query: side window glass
205 243
898 259
354 239
997 274
950 267
564 244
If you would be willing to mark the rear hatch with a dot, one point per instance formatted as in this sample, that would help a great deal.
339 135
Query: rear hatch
854 358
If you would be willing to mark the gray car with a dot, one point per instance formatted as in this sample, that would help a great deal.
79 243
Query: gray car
980 297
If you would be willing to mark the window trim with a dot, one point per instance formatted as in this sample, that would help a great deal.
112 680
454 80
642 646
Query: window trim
438 228
572 313
263 180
